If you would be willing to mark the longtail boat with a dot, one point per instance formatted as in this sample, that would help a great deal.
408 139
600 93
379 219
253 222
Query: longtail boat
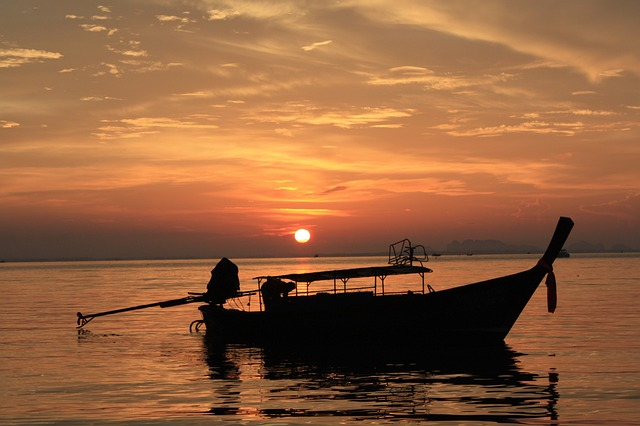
479 313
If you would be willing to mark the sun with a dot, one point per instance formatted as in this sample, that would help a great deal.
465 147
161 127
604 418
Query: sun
302 235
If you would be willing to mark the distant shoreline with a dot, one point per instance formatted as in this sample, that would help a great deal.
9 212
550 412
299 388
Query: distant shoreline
433 256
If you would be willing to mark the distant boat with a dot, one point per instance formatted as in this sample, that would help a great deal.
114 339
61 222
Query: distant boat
479 313
563 253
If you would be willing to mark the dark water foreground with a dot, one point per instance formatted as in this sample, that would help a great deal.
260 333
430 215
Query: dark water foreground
379 384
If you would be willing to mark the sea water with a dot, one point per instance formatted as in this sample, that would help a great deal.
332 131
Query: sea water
580 365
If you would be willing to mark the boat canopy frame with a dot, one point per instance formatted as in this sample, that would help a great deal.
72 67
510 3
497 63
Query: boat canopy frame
402 256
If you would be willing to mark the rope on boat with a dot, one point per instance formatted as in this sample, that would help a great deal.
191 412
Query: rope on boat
552 296
195 325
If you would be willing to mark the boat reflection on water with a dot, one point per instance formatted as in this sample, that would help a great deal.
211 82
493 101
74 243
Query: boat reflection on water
355 384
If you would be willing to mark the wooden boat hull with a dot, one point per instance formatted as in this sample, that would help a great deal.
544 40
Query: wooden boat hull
480 313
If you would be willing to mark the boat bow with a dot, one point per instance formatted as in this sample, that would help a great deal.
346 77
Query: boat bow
563 229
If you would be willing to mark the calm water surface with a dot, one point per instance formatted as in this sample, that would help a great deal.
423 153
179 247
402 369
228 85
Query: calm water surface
580 365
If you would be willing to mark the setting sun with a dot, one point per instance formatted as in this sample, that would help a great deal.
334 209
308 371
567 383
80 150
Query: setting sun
302 235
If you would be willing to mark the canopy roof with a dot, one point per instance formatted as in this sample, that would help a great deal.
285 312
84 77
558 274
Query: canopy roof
345 274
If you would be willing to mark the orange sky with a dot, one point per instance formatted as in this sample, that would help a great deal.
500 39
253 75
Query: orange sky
148 128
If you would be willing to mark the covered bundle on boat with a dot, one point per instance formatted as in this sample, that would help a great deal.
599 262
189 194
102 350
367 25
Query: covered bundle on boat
224 283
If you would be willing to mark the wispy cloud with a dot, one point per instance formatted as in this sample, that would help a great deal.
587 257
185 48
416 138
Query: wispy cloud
314 46
535 127
544 35
173 18
93 28
626 209
406 75
346 118
16 57
221 14
4 124
128 128
99 98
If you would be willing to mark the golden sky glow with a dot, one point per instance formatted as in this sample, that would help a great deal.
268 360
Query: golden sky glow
149 128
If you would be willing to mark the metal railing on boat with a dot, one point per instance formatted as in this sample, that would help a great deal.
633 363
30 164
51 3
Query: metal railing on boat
380 273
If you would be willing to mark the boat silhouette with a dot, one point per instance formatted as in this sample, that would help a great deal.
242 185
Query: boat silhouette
480 313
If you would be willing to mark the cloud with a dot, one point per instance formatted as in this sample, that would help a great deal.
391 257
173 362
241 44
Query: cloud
626 209
536 127
128 128
12 58
272 12
164 122
611 73
8 124
363 117
99 98
314 46
221 14
173 18
284 132
93 28
406 75
591 37
134 53
312 212
592 112
536 209
334 189
111 69
307 114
